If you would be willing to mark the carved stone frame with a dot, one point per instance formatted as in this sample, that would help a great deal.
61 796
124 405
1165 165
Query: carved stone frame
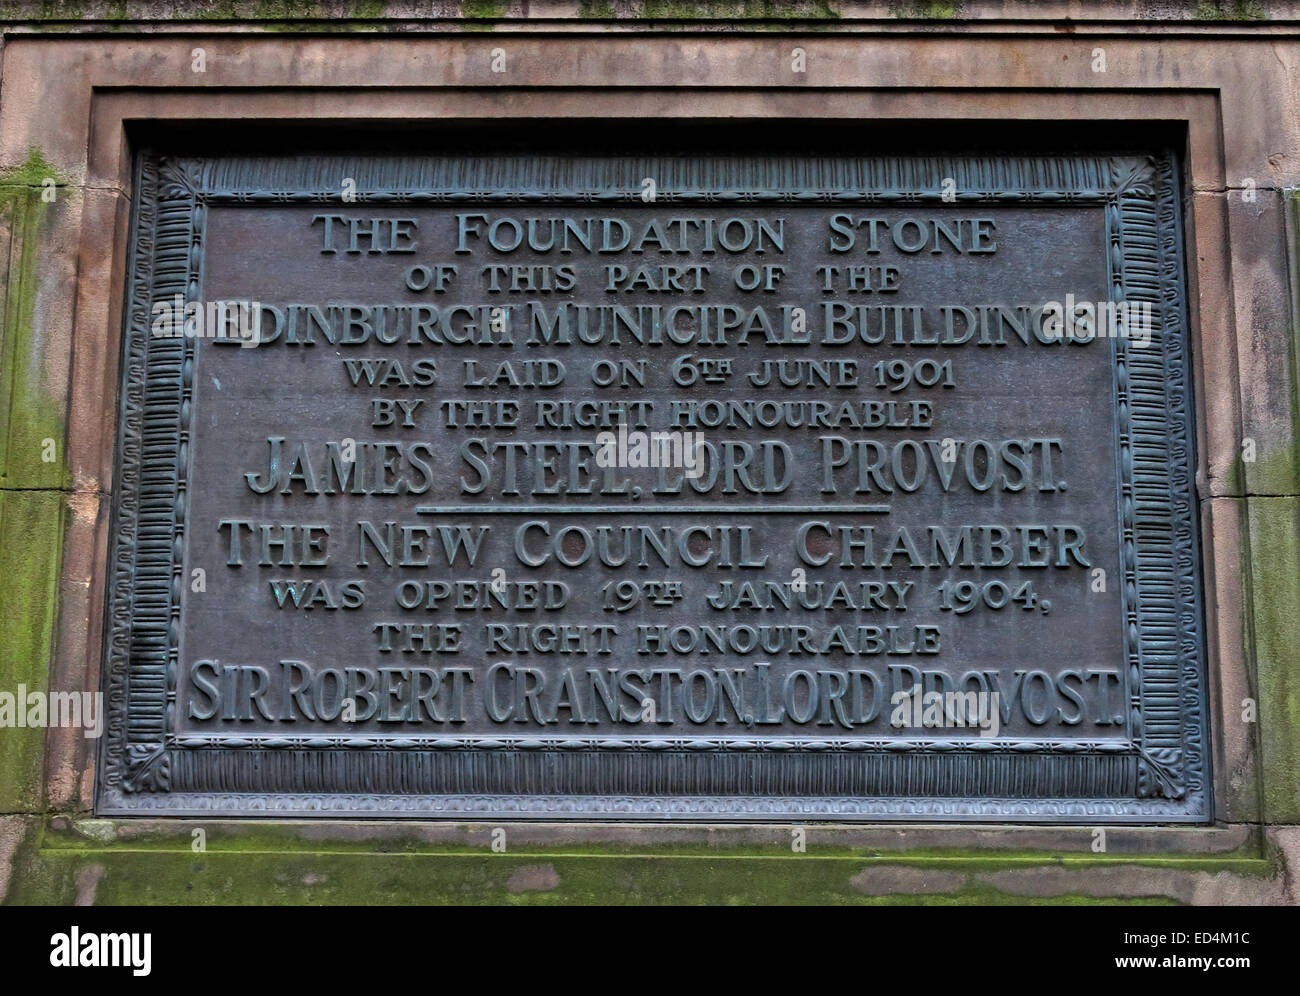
1160 774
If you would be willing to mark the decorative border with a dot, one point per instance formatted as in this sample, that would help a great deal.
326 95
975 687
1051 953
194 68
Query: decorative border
1159 775
728 808
523 179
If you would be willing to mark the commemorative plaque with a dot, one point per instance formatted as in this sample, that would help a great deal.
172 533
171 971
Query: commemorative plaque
686 487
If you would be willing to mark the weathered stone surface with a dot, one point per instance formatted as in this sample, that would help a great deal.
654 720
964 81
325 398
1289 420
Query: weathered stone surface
1275 594
1233 680
533 878
12 831
38 222
282 863
890 881
1269 451
31 530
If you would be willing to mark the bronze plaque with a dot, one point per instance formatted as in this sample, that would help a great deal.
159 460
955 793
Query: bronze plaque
706 488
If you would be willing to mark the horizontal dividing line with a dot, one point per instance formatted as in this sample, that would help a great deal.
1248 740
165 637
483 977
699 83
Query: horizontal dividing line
651 509
474 741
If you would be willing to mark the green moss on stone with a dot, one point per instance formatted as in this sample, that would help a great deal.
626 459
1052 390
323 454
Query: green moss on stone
281 15
299 15
32 473
480 12
1282 476
324 863
263 878
932 10
1230 10
222 10
1274 572
31 534
32 172
56 10
31 410
741 10
231 836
